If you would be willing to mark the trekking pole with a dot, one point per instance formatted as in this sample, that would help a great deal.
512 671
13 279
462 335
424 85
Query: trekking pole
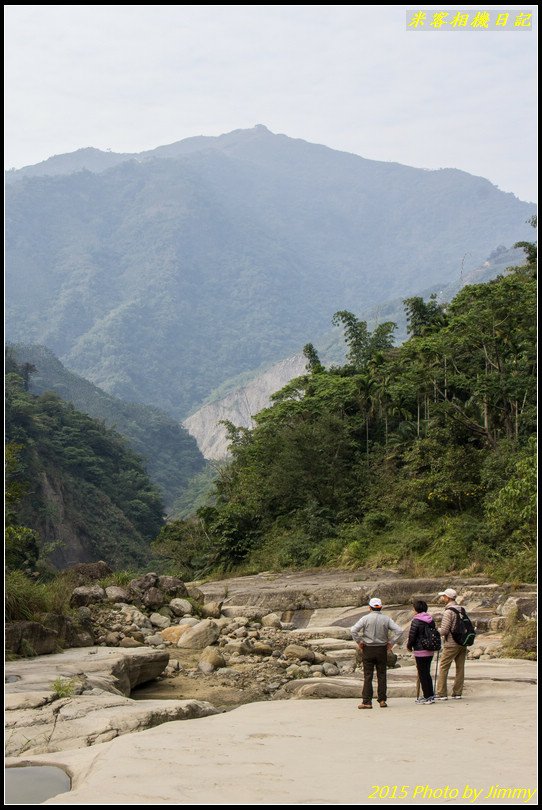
417 685
436 666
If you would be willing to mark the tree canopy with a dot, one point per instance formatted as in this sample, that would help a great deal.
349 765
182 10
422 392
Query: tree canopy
420 455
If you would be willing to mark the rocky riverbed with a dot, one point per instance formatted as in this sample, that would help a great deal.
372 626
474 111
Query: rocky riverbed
187 651
81 697
258 638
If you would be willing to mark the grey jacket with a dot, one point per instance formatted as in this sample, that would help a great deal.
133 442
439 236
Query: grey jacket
374 630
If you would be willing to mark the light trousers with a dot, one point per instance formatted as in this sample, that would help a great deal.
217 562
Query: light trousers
450 654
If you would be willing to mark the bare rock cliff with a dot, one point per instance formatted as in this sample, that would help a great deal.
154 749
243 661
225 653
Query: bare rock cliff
239 406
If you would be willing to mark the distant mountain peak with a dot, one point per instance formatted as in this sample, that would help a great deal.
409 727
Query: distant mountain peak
90 158
160 279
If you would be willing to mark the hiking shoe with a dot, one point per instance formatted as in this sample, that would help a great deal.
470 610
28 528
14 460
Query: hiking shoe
365 706
457 697
429 700
382 704
419 701
440 698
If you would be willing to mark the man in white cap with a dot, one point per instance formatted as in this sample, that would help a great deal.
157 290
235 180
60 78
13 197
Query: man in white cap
451 650
372 634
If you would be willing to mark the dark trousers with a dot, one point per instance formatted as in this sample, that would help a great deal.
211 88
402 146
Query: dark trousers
374 657
424 674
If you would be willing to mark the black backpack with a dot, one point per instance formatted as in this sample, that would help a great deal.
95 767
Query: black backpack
429 636
463 632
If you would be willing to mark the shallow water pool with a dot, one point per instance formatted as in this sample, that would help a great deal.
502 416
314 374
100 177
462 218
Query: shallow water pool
34 784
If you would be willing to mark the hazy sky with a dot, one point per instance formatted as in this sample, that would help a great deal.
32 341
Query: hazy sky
130 78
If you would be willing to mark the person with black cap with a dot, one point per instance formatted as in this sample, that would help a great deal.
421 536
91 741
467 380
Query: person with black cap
451 650
372 634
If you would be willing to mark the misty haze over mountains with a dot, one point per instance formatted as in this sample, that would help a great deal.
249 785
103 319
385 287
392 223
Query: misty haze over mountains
159 276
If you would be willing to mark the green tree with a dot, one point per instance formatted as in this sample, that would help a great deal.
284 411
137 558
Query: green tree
424 316
314 366
511 510
362 344
21 542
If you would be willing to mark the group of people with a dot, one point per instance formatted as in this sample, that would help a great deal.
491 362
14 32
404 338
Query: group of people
376 634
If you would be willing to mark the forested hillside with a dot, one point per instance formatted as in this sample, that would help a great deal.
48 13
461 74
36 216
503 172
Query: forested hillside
421 456
237 399
75 491
169 272
169 452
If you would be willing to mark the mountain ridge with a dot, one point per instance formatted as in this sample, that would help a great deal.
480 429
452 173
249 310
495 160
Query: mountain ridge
102 160
158 280
170 454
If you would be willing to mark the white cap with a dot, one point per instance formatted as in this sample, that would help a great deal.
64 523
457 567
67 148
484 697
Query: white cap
375 602
449 592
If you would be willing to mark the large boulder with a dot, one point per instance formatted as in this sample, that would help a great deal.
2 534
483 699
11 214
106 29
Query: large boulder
241 647
78 635
84 573
30 639
87 595
172 586
261 648
333 645
201 635
154 640
253 614
139 585
391 659
523 607
70 633
114 670
153 598
321 632
271 620
128 642
157 620
135 616
181 607
297 651
195 594
210 660
38 721
322 688
115 593
211 610
173 634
